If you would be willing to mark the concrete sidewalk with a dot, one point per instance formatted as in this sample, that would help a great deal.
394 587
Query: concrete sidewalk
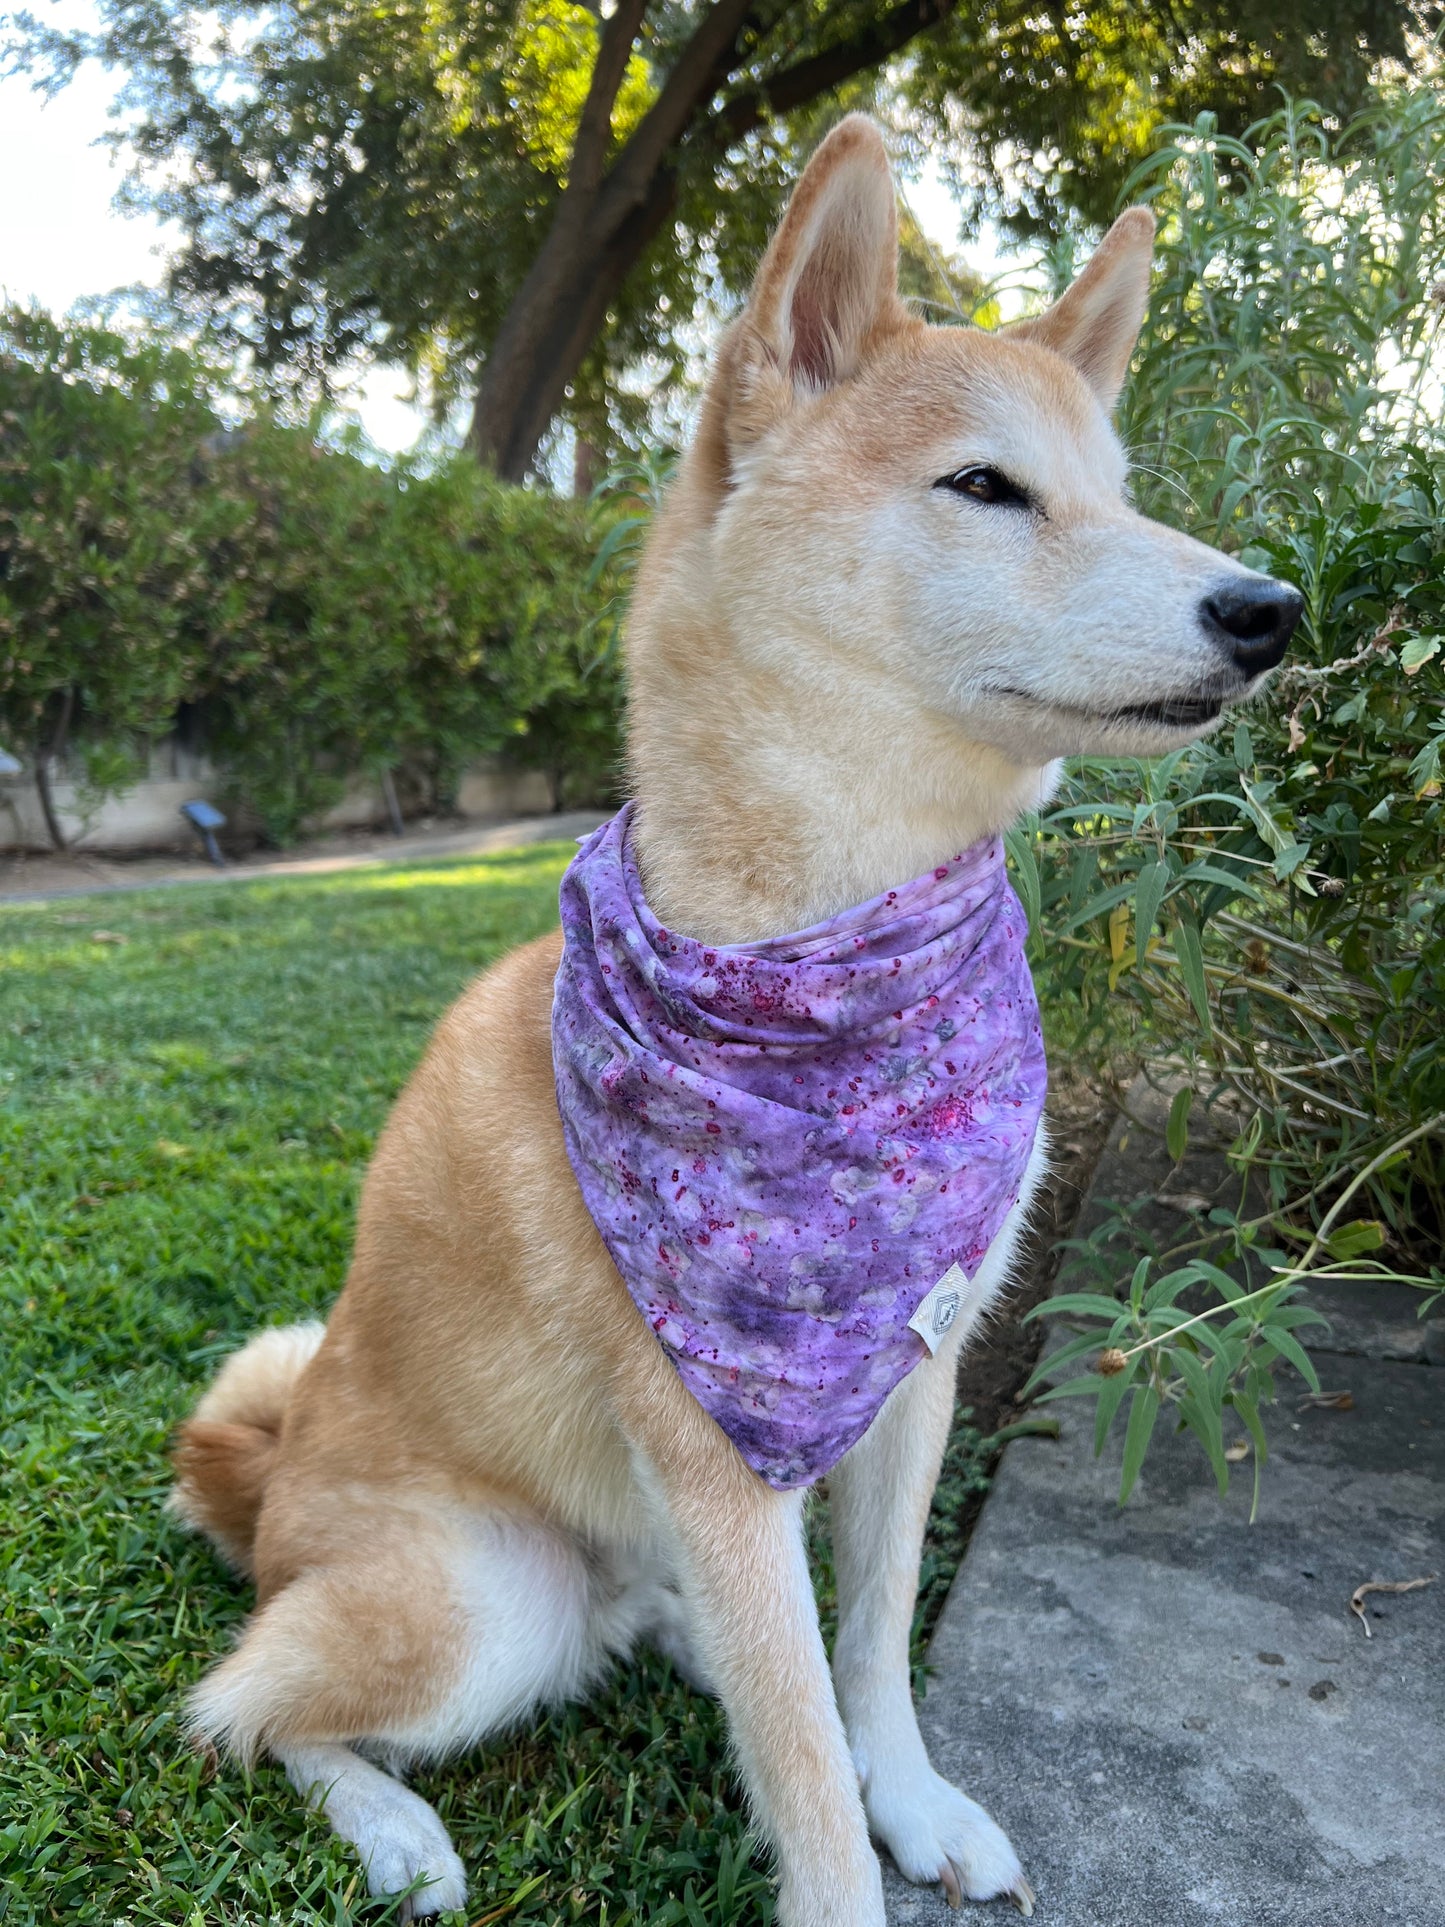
37 879
1174 1714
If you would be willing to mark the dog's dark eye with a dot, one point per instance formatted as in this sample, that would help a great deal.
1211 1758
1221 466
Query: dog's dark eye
989 485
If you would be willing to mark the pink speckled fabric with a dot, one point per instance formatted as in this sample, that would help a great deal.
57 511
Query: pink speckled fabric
786 1144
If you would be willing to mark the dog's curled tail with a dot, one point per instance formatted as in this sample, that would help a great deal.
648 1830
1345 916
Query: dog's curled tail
224 1452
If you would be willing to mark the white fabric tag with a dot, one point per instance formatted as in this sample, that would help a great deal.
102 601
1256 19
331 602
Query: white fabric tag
934 1317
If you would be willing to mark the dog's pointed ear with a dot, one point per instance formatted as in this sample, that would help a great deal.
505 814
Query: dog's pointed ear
827 288
1096 323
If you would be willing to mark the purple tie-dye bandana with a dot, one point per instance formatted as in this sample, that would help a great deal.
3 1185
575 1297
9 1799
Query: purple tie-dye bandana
787 1145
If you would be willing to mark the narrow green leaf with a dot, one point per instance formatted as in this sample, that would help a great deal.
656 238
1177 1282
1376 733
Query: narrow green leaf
1148 895
1239 1333
1081 874
1176 1131
1232 498
1189 949
1227 1287
1110 1398
1292 1316
1221 1370
1259 1380
1136 1283
1066 1354
1255 795
1241 1152
1286 1345
1091 1304
1249 1412
1213 1340
1203 871
1202 1418
1020 845
1165 1318
1142 1414
1161 1295
1085 1383
1288 860
1097 906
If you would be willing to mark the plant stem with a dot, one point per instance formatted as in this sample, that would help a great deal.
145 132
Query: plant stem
1382 1157
1293 1274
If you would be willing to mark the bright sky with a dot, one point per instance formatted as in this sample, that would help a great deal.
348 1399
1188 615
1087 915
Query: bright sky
61 239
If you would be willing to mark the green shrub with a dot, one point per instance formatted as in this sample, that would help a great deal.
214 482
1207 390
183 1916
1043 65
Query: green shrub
1266 918
448 621
325 614
100 544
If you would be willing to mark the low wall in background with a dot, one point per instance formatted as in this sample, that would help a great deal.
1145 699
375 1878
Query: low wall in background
147 816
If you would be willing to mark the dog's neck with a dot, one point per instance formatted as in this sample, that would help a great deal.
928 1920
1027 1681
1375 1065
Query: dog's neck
766 805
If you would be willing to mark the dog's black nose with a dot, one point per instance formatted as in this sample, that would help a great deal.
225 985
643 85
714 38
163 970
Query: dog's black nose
1253 621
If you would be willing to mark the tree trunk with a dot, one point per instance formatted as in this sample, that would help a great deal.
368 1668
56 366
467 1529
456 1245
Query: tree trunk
547 333
43 759
605 222
589 465
393 808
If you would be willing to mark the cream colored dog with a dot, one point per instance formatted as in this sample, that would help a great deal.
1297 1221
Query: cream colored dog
897 577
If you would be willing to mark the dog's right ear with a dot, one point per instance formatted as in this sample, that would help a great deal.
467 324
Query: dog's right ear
827 288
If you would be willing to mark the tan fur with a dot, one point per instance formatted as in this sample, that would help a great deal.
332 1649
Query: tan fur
489 1477
224 1453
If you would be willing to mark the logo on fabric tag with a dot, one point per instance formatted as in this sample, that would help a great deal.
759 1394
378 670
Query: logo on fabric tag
935 1316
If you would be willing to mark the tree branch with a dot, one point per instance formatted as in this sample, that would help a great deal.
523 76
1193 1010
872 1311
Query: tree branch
594 128
793 86
700 70
566 334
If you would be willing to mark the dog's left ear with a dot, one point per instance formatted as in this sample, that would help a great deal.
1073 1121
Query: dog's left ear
1096 323
827 287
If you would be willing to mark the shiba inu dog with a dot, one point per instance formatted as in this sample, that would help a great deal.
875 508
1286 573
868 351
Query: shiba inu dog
897 578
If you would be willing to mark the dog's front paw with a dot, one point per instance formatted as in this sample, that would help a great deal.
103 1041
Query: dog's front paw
936 1833
409 1845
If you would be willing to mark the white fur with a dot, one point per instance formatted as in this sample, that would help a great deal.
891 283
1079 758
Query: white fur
903 616
753 1584
880 1496
401 1841
536 1620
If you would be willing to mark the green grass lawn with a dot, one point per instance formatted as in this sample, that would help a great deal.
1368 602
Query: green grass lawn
190 1084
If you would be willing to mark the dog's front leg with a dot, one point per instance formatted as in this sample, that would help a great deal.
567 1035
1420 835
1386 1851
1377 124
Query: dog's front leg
880 1495
744 1572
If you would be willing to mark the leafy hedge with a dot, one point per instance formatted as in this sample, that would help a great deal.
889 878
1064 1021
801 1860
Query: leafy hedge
322 615
1265 912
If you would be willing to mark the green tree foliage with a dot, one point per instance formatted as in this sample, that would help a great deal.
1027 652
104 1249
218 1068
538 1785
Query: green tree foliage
323 614
522 199
101 536
1064 99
